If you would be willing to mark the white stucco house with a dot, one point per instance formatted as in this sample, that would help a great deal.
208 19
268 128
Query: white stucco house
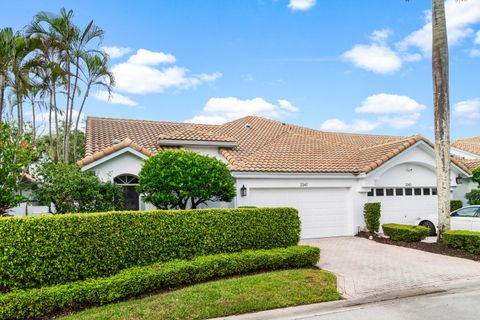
327 176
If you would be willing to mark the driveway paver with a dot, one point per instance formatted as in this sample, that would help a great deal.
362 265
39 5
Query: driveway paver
366 268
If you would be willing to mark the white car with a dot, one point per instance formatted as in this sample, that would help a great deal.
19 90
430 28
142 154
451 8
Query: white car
466 218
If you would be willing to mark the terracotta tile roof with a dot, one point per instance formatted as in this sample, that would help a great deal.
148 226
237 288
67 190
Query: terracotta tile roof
471 164
264 145
471 144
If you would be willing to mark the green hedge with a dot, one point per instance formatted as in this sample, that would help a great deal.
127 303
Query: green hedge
371 214
473 197
49 250
455 205
34 303
465 240
404 232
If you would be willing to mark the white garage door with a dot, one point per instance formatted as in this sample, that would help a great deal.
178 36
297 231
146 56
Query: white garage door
323 212
405 205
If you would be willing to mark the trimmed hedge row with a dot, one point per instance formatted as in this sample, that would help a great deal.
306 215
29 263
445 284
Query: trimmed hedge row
461 239
405 232
455 205
49 250
32 303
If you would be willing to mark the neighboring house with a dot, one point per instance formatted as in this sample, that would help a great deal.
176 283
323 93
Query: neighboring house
327 176
31 207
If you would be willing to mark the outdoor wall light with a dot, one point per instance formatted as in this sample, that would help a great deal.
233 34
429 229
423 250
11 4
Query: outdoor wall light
243 191
458 180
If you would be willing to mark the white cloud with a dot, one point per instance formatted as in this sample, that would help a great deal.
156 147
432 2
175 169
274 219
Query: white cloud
151 58
116 52
374 57
477 38
138 75
475 53
356 126
384 103
395 111
381 35
221 110
468 111
114 98
460 17
301 5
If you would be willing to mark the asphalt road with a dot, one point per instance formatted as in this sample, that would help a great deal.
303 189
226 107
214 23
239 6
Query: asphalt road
456 304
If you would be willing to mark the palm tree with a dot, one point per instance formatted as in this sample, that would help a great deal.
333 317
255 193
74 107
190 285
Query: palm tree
6 55
441 101
96 74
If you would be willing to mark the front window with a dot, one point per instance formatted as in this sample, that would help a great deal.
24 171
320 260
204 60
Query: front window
131 198
466 212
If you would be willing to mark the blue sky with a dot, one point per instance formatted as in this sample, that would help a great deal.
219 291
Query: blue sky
360 66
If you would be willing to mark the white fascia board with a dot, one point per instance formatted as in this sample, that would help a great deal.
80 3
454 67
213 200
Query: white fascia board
220 144
292 175
465 153
425 146
113 155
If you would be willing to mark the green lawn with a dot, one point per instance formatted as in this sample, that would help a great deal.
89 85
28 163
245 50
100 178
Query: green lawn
225 297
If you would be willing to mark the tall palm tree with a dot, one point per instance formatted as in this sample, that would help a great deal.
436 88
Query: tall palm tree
96 74
441 102
6 55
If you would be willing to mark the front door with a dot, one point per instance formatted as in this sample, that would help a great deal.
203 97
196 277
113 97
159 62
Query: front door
131 198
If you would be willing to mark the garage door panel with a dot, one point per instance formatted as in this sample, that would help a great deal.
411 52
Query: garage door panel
323 212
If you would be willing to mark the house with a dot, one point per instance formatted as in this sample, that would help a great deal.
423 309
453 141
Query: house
327 176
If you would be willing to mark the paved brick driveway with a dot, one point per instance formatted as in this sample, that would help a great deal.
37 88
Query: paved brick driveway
366 268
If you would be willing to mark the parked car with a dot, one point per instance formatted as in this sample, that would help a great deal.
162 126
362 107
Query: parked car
466 218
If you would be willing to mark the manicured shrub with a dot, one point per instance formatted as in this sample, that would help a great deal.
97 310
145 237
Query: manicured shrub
404 232
55 249
473 197
179 179
371 214
33 303
455 205
465 240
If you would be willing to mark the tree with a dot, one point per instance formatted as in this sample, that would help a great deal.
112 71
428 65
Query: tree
72 190
16 153
441 102
6 55
184 179
48 148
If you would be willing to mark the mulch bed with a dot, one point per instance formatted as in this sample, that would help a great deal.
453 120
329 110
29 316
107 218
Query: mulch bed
438 248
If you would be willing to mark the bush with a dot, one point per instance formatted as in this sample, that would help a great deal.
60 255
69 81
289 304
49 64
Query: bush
371 214
404 232
184 179
55 249
465 240
72 190
33 303
473 197
455 205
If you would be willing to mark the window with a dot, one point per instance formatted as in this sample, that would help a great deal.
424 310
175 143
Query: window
131 198
417 191
370 193
408 191
434 191
389 192
399 192
126 179
379 192
466 212
426 191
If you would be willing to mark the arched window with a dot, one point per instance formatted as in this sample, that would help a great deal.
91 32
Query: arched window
131 198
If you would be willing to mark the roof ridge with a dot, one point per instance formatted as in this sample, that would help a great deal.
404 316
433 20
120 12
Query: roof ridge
154 121
386 143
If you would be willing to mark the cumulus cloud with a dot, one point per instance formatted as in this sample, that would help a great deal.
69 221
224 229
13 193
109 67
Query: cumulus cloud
389 103
116 52
338 125
150 58
301 5
374 57
114 98
221 110
468 111
460 18
395 111
140 74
